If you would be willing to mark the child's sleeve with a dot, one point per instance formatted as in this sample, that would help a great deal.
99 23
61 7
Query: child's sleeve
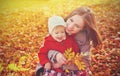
42 55
52 55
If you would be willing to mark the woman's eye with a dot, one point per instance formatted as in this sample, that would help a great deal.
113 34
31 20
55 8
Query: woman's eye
71 20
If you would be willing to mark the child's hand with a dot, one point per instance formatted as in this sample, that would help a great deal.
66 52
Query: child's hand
57 65
47 66
61 59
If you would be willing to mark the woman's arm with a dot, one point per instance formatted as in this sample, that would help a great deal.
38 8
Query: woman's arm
85 50
83 42
84 46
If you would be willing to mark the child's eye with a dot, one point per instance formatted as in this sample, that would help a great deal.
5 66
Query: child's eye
56 32
77 26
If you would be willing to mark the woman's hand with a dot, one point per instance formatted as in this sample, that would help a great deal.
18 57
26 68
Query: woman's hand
47 66
57 65
60 59
70 67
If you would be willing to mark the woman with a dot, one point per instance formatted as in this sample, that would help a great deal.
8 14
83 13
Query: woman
81 24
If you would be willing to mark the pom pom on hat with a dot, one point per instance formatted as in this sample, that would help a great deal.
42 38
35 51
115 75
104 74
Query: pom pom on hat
55 21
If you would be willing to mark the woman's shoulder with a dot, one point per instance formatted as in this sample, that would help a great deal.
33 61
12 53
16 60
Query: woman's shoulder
81 37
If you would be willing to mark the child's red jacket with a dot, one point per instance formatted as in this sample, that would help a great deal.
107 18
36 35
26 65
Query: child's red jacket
51 44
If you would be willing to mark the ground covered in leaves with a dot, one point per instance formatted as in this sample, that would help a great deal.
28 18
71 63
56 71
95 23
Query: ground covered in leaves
22 32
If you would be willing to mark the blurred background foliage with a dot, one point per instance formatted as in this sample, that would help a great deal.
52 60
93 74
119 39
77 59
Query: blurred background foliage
23 26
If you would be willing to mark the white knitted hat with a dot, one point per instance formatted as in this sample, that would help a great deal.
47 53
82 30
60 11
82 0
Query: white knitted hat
55 21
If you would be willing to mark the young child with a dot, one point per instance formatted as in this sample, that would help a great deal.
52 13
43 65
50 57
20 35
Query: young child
56 40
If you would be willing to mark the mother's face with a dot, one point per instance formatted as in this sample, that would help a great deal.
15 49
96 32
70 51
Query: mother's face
74 24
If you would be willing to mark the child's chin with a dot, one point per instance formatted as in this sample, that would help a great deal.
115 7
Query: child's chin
59 40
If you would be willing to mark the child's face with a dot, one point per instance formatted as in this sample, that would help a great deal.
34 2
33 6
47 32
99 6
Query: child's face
58 33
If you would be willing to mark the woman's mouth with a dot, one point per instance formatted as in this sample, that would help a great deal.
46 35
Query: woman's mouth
69 30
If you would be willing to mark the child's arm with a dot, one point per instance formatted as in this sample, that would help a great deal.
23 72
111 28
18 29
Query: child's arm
56 58
42 55
47 66
52 55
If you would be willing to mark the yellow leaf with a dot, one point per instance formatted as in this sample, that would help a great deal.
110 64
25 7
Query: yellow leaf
67 71
69 54
74 59
80 65
22 60
1 67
